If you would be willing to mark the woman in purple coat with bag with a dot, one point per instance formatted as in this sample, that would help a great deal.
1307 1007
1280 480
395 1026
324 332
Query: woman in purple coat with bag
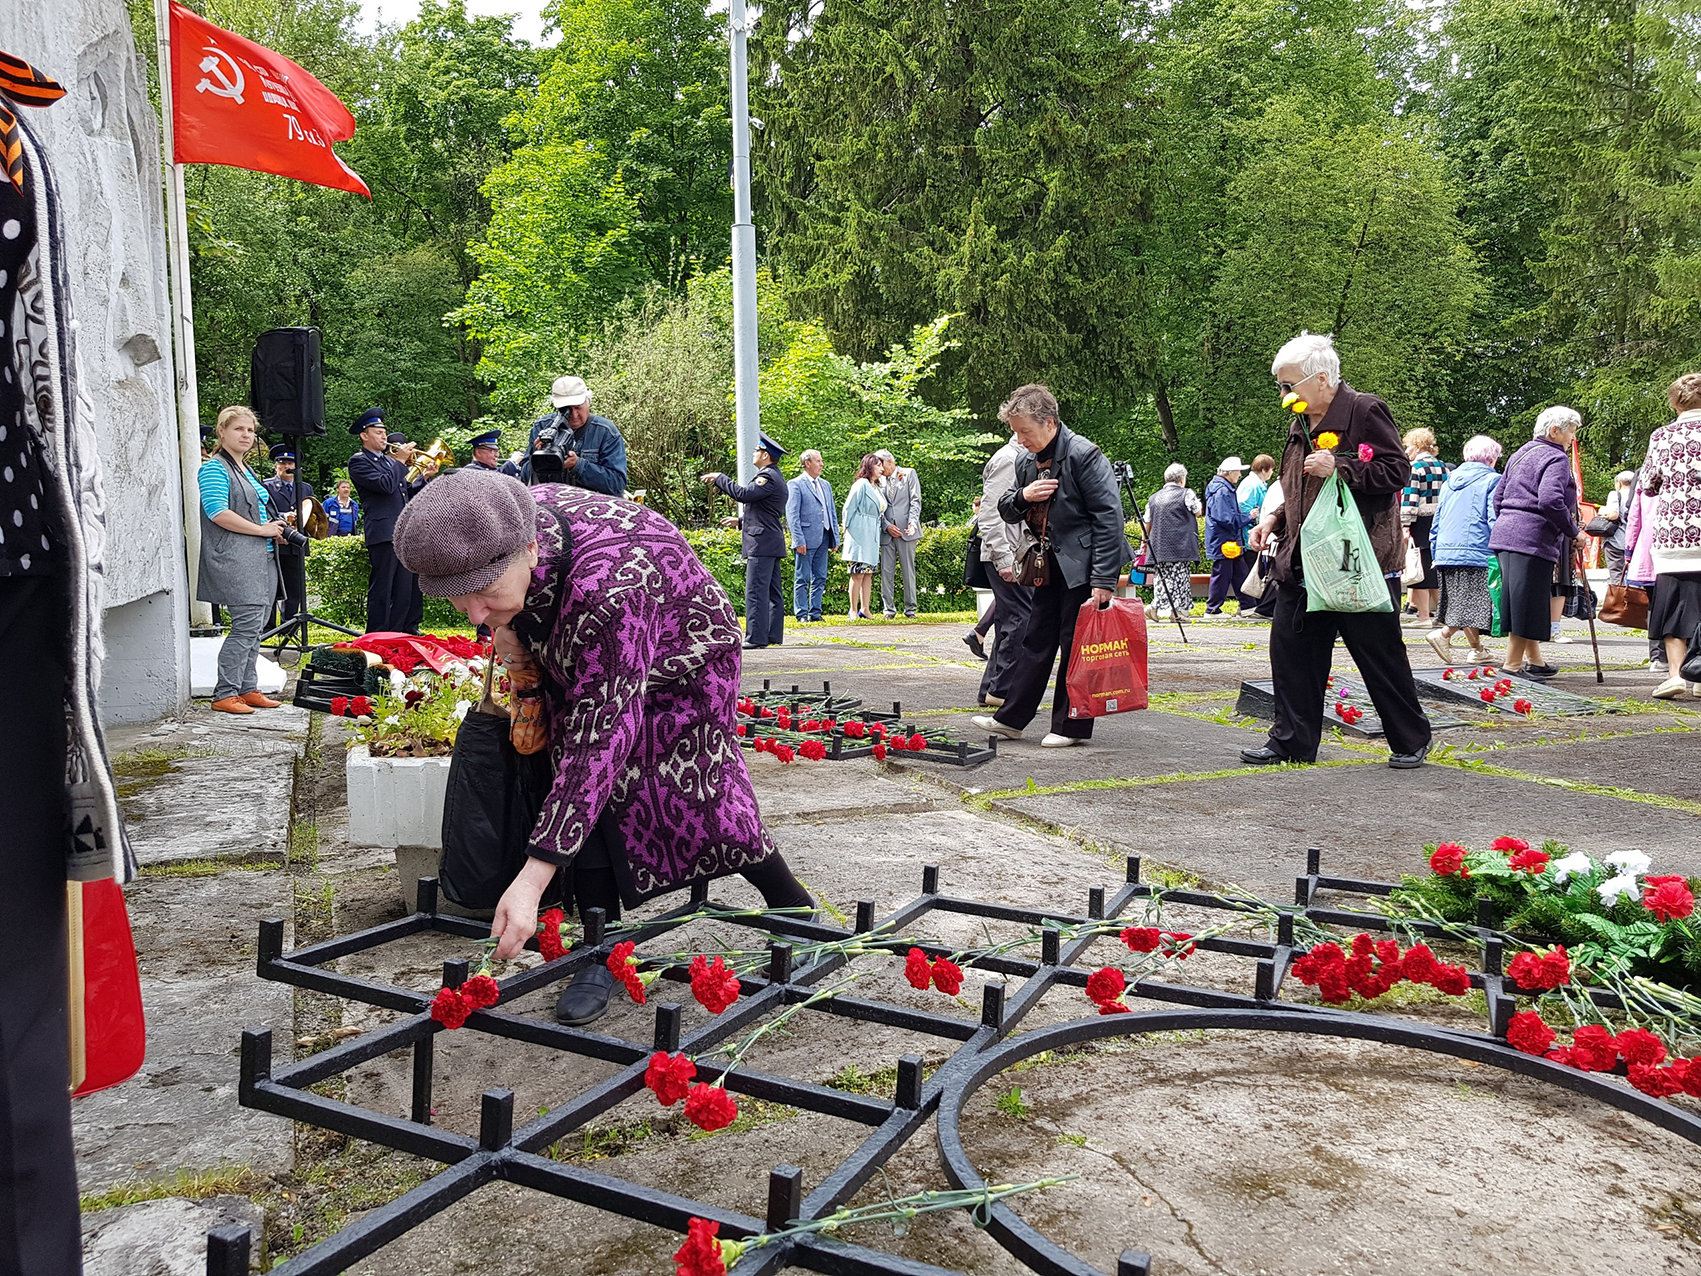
1535 527
639 653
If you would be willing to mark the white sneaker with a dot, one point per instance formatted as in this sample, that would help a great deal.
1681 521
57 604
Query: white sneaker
995 702
1673 688
991 725
1560 636
1054 741
1479 656
1441 643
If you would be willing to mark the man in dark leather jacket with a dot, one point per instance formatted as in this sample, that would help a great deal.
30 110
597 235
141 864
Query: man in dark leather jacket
1067 480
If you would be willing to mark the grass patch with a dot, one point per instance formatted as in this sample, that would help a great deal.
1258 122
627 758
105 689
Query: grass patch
207 868
325 1193
1575 786
151 764
1072 1140
853 1080
751 1113
1013 1105
1033 789
304 844
315 912
192 1185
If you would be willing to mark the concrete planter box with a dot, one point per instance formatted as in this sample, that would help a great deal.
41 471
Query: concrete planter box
395 801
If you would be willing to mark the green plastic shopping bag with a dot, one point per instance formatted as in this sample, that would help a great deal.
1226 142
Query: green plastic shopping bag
1494 597
1341 571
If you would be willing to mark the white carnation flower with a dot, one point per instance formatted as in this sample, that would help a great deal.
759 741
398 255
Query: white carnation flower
1616 888
398 681
1631 863
1576 863
461 707
392 721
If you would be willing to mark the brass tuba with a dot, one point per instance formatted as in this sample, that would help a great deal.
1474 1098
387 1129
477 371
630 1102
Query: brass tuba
436 452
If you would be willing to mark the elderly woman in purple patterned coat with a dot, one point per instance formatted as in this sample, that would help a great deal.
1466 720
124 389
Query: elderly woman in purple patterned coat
638 649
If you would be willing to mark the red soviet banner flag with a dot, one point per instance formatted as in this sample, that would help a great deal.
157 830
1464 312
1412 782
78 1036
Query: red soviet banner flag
238 103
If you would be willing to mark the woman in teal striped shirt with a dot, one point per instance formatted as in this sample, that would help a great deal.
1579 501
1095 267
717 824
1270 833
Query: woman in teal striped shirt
239 569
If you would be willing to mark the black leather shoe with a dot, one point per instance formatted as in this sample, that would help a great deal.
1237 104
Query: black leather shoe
755 646
1540 672
975 644
1265 755
1408 761
586 997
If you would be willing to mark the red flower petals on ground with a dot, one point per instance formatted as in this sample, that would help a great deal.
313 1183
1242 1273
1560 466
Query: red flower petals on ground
1448 859
449 1008
712 984
549 934
480 992
947 976
1141 939
1106 985
669 1076
710 1107
1671 897
1528 861
1529 1033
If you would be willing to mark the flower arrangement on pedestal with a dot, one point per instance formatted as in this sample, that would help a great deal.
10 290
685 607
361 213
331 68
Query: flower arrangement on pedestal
421 712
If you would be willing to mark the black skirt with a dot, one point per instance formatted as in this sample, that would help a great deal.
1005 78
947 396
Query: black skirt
1420 538
1676 609
1526 593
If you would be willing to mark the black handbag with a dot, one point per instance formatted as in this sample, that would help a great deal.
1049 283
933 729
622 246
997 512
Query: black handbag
1601 526
974 570
494 795
1579 597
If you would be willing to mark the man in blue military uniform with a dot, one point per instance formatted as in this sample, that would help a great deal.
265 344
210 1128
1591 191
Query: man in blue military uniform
487 457
764 501
380 476
585 451
287 493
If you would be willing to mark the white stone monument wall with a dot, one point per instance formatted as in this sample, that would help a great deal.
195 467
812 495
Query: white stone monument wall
103 141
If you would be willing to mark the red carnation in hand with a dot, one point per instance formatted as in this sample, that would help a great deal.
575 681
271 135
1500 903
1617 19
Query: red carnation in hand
1529 861
710 1107
947 976
339 706
1448 859
1529 1033
1141 939
713 984
549 934
701 1253
449 1008
480 992
1670 898
1511 844
879 753
1105 985
1638 1045
917 970
669 1076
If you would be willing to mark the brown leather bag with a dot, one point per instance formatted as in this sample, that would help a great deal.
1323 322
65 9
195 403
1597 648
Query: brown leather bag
1625 605
1035 567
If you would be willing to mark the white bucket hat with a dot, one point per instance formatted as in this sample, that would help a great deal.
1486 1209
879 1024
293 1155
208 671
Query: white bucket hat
569 392
1232 463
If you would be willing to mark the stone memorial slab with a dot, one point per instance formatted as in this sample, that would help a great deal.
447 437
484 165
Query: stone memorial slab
1461 688
1258 700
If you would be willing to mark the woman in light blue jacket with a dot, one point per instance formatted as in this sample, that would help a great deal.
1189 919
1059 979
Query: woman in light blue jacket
1458 545
860 524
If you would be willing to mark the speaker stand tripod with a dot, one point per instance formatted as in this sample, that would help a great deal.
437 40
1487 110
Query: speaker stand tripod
293 631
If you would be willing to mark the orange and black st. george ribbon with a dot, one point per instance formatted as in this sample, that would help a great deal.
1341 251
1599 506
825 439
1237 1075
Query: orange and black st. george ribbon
21 83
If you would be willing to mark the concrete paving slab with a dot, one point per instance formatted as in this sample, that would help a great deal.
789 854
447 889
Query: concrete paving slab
1661 762
1373 822
167 1237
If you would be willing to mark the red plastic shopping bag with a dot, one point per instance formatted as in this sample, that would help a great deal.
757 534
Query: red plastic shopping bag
108 1037
1107 669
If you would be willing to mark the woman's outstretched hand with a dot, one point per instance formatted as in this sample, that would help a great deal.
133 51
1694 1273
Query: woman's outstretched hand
516 912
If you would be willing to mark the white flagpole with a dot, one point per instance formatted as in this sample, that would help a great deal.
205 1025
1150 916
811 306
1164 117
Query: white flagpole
746 401
183 320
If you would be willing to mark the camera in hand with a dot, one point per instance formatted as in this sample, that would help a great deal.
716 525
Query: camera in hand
293 537
549 454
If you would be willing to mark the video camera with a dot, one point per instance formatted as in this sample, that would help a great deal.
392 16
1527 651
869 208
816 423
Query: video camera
1123 470
549 453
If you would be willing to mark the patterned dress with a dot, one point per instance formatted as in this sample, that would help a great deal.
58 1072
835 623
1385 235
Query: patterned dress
640 651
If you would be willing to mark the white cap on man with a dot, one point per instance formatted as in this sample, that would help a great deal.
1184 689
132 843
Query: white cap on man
1232 463
569 392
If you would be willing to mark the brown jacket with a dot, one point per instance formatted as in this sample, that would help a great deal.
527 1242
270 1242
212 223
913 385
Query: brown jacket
1376 484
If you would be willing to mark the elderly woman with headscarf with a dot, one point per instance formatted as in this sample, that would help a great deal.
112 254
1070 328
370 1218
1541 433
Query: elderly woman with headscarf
1671 474
1535 529
638 651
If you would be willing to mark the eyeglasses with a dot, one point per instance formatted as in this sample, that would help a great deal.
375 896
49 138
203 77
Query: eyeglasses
1287 387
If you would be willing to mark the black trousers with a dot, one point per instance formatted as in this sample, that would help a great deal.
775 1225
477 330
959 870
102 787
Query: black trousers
1302 645
412 604
292 568
39 1229
597 886
384 587
764 602
1050 626
1010 607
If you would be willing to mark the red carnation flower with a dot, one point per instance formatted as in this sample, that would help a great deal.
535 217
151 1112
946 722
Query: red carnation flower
814 750
449 1008
812 724
1638 1045
918 742
1511 844
917 970
1531 971
1487 695
1419 964
549 934
712 984
947 976
784 752
480 992
1455 981
1365 451
1662 1083
1691 1076
710 1107
624 967
1671 898
1529 861
741 729
1105 985
1176 944
1448 859
701 1253
1141 939
1114 1008
878 728
1593 1049
339 706
360 706
853 730
879 753
1529 1033
669 1076
1522 706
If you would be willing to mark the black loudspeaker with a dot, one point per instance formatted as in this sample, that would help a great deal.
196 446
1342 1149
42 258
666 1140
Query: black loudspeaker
287 388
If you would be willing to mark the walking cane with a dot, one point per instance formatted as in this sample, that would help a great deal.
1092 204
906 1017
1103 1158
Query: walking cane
1579 573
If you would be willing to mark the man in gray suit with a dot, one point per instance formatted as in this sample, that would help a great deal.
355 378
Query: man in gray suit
1002 546
902 490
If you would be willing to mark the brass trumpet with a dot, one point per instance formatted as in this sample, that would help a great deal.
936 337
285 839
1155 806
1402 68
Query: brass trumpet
436 452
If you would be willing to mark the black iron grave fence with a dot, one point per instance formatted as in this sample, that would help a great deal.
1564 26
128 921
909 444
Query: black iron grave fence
503 1153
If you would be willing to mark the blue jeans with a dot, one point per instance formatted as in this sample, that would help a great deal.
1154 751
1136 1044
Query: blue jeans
810 582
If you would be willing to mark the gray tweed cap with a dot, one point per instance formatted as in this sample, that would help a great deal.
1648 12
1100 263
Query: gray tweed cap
458 534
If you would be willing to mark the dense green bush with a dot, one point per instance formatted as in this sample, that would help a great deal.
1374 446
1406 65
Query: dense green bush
336 586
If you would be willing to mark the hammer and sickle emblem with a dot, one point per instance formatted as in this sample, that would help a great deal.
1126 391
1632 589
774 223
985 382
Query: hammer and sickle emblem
214 65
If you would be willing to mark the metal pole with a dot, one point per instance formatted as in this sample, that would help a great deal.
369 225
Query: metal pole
183 321
746 408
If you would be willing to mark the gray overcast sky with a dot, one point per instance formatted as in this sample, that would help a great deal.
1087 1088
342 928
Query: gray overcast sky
526 24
